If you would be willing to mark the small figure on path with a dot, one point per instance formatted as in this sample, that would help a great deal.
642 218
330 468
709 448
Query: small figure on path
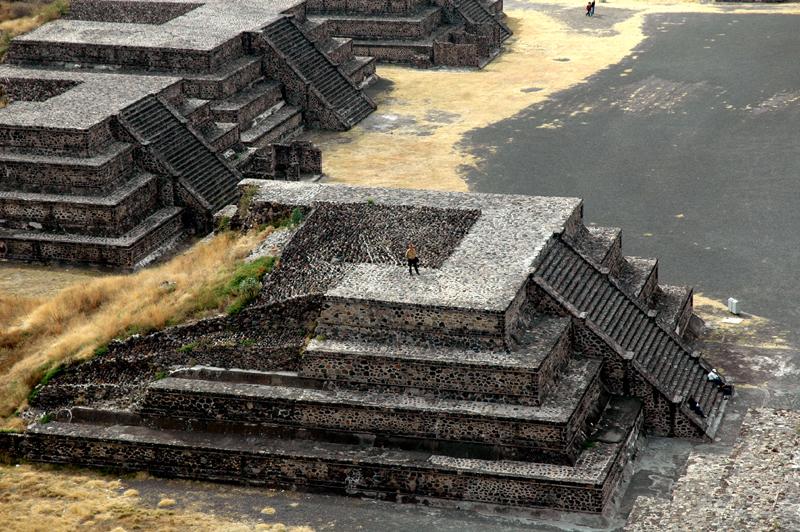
714 377
413 260
696 408
588 9
591 11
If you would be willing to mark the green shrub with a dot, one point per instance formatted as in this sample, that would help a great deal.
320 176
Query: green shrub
248 194
45 419
188 348
297 216
160 375
100 350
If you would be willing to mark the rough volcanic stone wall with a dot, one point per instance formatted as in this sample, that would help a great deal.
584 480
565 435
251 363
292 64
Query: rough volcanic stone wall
658 410
58 141
649 286
45 177
413 317
589 343
260 338
82 217
128 12
99 251
447 380
35 90
456 54
387 421
551 366
334 473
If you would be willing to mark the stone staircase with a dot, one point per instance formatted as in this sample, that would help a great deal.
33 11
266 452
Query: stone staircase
338 93
475 12
632 329
209 178
422 33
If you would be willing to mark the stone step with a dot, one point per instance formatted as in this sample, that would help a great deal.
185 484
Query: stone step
358 470
601 245
404 365
221 135
48 45
551 432
392 7
359 69
338 49
674 306
196 110
280 123
244 106
28 171
477 13
124 251
66 141
228 80
418 52
639 277
414 25
110 215
486 327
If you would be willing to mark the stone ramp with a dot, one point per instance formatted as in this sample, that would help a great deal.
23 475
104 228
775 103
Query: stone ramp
339 95
655 352
175 145
359 470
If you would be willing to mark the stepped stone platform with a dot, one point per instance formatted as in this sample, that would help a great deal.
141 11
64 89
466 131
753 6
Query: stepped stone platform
422 33
189 96
518 369
198 95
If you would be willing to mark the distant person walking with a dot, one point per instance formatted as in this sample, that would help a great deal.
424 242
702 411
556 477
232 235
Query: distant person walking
413 260
588 9
591 10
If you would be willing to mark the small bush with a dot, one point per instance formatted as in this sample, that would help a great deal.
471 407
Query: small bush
188 348
247 342
248 194
160 375
101 350
45 419
223 224
297 216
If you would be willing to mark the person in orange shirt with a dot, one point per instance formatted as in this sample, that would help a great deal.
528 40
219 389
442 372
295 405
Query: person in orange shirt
413 260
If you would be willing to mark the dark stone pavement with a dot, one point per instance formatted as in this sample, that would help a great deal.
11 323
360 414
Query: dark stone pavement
694 152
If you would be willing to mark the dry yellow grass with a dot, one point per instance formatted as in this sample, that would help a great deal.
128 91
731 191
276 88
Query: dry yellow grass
17 18
40 333
43 498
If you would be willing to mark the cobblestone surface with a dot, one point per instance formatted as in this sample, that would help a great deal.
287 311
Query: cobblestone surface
755 487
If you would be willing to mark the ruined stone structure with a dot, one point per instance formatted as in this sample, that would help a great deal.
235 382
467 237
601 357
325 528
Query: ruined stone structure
517 370
132 120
